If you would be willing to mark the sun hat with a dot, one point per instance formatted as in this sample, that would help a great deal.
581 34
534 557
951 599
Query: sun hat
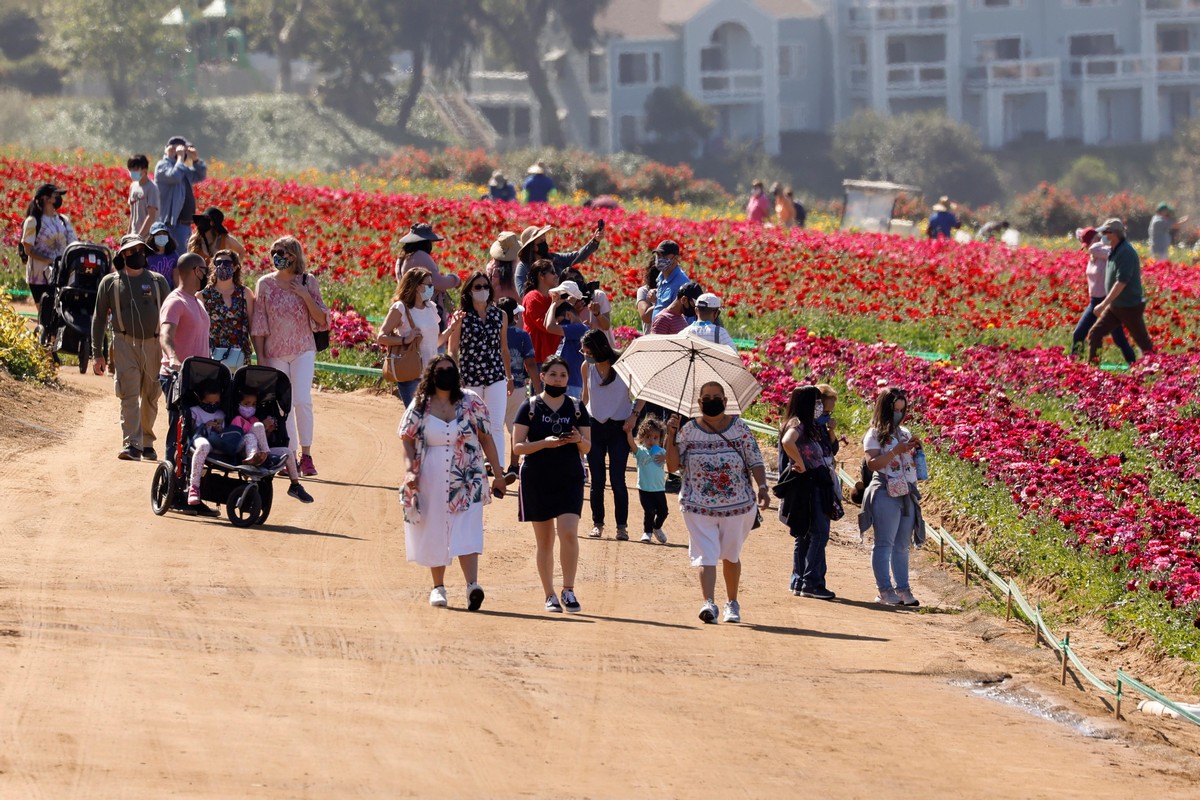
533 233
214 216
569 288
1113 225
128 242
498 179
537 168
667 248
420 232
708 300
507 247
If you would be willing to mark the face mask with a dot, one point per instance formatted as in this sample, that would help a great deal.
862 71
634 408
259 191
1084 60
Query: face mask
818 411
897 416
202 276
663 262
210 407
712 407
247 411
58 201
542 249
280 261
202 227
135 261
162 239
427 292
554 391
224 273
446 378
480 295
589 359
135 175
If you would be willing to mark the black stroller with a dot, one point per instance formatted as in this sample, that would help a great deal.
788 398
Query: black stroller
66 311
246 491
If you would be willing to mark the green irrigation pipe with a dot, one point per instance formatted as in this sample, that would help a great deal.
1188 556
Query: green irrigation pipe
1125 677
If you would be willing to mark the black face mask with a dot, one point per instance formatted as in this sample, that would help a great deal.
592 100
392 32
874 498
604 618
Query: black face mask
712 407
135 261
210 407
202 227
554 391
542 249
446 378
203 276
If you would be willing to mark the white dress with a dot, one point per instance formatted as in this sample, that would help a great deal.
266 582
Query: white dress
441 536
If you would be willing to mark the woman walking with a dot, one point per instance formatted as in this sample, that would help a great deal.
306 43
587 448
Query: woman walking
606 397
803 450
287 309
552 431
446 434
411 317
230 307
647 293
717 455
891 503
1097 264
45 235
480 343
211 236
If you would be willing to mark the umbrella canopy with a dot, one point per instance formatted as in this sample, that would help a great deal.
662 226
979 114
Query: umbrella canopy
669 371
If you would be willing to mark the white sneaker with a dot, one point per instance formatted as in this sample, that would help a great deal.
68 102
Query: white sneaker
552 605
733 612
474 596
708 612
658 534
647 538
596 533
888 597
570 602
906 598
437 598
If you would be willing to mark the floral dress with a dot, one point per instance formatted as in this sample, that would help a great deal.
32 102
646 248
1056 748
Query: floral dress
443 514
230 322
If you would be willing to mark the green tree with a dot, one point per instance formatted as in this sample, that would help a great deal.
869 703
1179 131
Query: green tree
122 41
516 28
355 55
1089 175
1181 168
678 120
433 43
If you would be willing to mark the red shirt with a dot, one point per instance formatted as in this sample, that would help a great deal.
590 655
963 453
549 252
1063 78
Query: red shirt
545 343
668 322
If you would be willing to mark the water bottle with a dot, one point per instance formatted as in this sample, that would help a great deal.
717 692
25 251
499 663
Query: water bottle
921 464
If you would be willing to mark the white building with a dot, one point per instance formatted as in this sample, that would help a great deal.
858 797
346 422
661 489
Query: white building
1097 71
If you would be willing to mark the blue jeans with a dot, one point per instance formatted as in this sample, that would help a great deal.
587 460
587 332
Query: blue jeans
808 554
1088 319
893 538
408 390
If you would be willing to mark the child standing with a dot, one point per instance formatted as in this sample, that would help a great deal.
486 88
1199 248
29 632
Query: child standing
256 445
651 477
209 435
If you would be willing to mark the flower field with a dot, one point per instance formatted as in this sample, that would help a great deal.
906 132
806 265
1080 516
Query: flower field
1093 466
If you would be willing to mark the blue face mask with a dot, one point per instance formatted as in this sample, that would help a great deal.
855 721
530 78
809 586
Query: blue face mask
427 293
135 175
897 416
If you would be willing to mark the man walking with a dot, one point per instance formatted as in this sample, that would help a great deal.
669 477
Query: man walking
180 169
185 320
1161 230
134 295
143 197
1124 303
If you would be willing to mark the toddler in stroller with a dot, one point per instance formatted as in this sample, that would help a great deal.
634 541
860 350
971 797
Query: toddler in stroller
256 446
210 435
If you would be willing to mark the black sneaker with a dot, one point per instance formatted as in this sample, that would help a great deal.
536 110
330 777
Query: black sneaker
510 476
297 491
203 510
130 453
149 454
817 594
570 603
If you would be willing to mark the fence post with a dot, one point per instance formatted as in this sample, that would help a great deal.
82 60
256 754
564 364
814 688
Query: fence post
1066 645
966 569
1037 615
1008 605
941 551
1117 705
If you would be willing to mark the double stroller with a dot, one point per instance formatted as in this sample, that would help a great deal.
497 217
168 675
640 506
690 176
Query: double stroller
245 491
66 310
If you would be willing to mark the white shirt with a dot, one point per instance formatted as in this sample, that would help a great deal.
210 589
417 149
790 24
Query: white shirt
710 332
424 320
902 465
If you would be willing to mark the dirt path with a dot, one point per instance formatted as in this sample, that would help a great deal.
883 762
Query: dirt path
147 657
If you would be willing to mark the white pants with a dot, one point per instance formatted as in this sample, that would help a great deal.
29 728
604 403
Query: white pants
299 368
495 397
716 538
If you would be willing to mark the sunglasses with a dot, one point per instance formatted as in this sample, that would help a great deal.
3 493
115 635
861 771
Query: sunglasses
480 286
224 262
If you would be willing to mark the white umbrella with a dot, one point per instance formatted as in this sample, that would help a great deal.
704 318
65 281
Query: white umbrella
669 371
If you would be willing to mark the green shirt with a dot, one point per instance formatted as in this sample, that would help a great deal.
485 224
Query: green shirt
139 299
1125 266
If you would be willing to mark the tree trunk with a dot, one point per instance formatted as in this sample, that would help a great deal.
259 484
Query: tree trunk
415 84
539 84
283 54
285 26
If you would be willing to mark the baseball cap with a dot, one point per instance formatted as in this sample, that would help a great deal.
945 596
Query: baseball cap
667 248
708 300
691 290
1163 207
570 288
1113 225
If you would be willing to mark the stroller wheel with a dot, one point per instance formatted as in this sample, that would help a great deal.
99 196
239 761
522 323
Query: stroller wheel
244 507
85 350
162 488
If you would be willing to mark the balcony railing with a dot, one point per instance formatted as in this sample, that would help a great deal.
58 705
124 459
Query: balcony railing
500 84
916 77
1181 66
1171 9
1018 72
917 14
730 84
1112 69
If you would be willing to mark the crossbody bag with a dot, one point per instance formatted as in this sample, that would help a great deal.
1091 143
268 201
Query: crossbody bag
749 475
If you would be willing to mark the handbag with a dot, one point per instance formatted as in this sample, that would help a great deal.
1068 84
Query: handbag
403 362
897 486
320 338
749 480
232 357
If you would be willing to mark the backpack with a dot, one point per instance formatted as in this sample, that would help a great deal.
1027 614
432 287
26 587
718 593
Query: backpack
801 213
21 254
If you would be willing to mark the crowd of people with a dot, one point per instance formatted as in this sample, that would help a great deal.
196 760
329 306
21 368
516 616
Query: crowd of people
515 378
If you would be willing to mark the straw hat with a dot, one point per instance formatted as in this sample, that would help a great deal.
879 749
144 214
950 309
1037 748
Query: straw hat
507 247
538 168
533 233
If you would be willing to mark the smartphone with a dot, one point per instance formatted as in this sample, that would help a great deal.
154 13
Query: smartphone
498 493
600 226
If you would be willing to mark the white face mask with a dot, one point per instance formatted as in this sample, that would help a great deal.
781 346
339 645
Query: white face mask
162 239
480 295
246 411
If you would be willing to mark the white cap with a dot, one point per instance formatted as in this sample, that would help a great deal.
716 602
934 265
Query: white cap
569 288
708 300
520 309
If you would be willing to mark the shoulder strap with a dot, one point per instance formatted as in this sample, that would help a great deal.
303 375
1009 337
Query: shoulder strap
116 302
736 449
157 299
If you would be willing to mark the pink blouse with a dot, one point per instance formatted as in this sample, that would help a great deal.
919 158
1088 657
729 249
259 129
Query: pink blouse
283 318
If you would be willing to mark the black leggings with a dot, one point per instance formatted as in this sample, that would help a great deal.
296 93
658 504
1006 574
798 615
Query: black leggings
611 445
654 509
